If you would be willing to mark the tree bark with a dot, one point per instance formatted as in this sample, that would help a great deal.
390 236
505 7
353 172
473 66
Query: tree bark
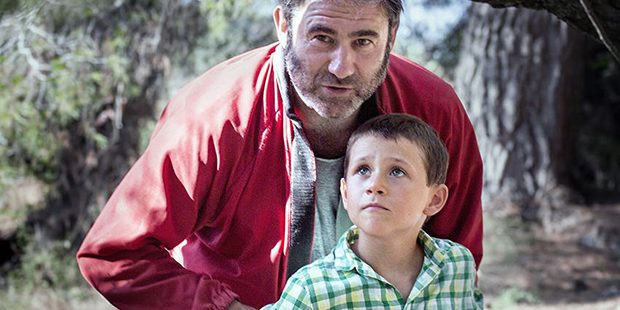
516 75
598 18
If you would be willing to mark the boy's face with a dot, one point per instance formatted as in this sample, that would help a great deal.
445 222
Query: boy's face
385 191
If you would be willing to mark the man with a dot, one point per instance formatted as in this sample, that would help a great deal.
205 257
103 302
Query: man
238 187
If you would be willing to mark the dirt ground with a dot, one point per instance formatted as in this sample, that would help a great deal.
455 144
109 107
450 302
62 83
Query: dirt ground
568 266
527 267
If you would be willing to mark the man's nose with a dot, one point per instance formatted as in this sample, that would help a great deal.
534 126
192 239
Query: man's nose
342 62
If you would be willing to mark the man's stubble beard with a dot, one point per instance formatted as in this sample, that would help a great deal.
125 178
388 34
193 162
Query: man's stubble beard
307 87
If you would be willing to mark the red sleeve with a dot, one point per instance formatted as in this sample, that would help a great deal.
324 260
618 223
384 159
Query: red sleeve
461 218
125 255
177 187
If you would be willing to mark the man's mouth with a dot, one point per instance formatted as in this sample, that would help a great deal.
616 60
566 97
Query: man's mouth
339 87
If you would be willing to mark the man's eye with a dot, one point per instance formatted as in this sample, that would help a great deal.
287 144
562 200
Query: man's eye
323 38
363 42
397 172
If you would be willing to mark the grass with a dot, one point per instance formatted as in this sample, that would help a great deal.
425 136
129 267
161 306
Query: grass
512 298
47 279
503 237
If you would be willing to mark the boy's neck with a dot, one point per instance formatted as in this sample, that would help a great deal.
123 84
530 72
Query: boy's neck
398 260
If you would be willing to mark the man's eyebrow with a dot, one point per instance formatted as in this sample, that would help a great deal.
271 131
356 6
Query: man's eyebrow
364 33
330 31
321 28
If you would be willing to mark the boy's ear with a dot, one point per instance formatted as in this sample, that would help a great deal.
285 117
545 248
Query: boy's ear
281 25
437 200
343 192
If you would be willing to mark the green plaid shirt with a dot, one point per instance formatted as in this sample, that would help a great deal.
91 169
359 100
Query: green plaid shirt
341 280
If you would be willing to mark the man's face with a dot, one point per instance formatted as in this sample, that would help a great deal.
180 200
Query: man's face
337 54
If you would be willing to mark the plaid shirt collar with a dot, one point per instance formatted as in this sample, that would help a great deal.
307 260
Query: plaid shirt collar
346 260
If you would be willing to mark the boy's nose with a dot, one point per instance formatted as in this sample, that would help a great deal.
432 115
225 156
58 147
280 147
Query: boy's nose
376 187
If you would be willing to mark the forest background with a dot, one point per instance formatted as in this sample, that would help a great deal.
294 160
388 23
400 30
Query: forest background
82 85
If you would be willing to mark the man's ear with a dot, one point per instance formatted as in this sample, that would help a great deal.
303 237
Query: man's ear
393 32
281 25
343 192
437 200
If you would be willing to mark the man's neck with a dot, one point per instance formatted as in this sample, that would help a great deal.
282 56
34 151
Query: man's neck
327 137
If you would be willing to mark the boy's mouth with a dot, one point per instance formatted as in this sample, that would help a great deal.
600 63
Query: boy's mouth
374 206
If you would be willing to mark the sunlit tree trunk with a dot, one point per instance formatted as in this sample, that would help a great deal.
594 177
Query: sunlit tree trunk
599 18
518 71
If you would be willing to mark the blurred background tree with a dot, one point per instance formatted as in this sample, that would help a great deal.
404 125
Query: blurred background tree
82 84
542 94
543 98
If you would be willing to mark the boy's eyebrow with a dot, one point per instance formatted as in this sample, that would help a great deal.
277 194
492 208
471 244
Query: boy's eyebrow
364 158
356 159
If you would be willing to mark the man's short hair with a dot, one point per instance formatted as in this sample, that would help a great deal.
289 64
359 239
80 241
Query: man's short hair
392 9
397 125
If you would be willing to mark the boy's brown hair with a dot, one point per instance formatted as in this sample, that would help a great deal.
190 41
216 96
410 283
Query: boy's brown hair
395 125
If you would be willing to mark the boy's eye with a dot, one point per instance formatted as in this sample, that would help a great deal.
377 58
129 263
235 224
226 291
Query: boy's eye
362 170
397 172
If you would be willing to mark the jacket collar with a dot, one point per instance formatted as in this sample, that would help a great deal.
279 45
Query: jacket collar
283 85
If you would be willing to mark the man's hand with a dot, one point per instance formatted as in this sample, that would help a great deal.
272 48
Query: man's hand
236 305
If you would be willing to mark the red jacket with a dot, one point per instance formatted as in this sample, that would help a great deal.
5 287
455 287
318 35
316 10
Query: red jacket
204 215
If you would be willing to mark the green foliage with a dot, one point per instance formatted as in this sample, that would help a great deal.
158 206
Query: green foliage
78 82
234 27
8 7
51 272
595 149
511 298
56 77
44 269
502 245
52 80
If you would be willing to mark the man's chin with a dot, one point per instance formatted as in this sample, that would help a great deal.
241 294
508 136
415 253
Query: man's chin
332 108
336 115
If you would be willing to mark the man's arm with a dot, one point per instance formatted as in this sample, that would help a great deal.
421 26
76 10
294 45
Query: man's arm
125 255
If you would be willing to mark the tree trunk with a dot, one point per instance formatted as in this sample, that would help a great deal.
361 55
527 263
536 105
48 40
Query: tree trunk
518 71
598 18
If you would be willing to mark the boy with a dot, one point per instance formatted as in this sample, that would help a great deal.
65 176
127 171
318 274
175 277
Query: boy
395 169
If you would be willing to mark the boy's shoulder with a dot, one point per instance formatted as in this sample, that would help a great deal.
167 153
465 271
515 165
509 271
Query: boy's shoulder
445 250
332 267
